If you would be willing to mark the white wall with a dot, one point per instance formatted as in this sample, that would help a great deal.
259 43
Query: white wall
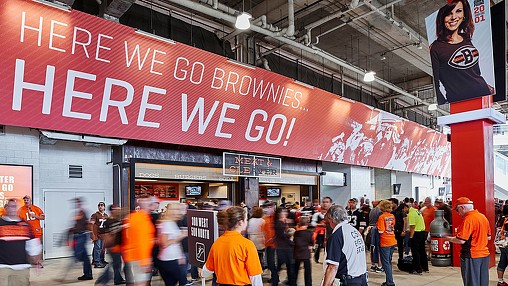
20 146
97 175
383 184
358 183
405 180
293 190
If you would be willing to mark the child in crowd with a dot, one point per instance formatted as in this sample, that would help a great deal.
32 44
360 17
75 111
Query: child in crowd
303 244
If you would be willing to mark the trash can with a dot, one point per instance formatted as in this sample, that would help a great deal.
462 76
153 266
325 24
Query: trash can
441 249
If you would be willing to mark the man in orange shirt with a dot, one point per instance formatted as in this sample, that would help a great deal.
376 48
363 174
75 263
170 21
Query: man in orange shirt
428 216
33 215
473 234
137 243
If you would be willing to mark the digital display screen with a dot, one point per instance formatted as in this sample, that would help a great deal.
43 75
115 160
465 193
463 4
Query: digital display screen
273 192
193 190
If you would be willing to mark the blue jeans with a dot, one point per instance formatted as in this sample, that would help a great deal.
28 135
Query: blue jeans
80 252
172 272
270 260
98 251
105 277
386 262
374 245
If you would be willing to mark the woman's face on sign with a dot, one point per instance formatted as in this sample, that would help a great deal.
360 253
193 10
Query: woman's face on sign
452 21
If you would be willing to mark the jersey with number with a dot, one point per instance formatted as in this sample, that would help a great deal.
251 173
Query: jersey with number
356 218
24 214
99 221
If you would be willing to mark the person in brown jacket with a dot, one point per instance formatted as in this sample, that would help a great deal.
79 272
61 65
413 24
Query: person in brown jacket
97 222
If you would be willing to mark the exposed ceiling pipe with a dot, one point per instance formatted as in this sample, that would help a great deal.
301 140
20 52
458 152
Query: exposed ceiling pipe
262 22
354 19
354 3
291 19
330 17
312 50
118 7
260 59
409 107
411 35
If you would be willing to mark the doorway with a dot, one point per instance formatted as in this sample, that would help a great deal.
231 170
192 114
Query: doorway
59 210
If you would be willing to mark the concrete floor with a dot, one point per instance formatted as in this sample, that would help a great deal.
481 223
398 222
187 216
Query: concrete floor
58 269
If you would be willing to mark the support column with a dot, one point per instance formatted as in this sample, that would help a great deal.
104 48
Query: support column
473 162
251 191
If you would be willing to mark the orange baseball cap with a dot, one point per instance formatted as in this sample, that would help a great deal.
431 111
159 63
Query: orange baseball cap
461 201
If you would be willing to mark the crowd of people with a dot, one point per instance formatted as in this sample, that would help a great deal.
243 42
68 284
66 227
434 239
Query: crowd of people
255 241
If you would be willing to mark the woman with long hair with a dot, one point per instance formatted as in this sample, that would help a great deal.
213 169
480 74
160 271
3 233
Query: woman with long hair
455 61
171 260
386 227
232 257
255 230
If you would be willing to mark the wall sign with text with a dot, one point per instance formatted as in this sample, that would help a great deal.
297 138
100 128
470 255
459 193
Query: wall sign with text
15 182
158 190
203 231
244 165
73 72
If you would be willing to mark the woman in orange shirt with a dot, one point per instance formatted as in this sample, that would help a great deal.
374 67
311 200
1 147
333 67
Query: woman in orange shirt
233 258
386 226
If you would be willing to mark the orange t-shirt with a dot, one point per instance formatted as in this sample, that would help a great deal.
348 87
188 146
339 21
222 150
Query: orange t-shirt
138 238
234 259
386 226
269 231
428 216
23 213
475 230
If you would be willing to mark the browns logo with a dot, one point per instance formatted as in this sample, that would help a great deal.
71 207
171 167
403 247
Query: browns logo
464 58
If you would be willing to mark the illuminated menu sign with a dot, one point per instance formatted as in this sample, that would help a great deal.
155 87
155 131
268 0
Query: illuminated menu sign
244 165
15 182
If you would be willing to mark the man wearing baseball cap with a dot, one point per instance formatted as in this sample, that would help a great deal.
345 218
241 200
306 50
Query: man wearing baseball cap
473 234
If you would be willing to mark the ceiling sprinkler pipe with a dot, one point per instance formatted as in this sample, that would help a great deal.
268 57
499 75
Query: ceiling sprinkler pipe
260 21
290 32
312 49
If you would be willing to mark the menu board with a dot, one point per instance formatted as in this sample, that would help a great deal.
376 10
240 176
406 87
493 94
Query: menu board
161 191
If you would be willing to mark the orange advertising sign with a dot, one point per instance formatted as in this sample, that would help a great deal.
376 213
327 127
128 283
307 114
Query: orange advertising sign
15 182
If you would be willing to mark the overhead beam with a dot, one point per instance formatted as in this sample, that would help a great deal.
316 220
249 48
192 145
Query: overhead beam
118 7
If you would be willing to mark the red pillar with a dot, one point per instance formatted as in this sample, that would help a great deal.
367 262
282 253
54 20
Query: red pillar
473 165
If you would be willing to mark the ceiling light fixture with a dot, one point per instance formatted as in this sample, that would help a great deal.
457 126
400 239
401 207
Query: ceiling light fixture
369 76
419 45
432 107
243 21
383 56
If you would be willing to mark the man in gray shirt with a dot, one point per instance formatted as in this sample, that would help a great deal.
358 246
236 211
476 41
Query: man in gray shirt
374 246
